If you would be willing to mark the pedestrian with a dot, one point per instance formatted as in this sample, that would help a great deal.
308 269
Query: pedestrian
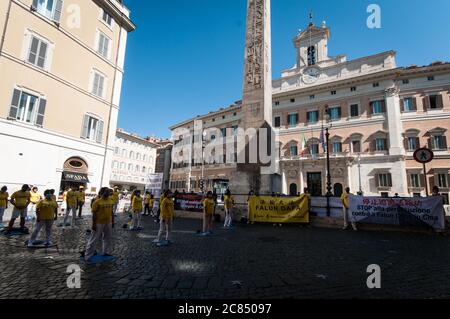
20 200
3 203
344 199
228 204
151 203
102 225
46 214
71 203
35 198
81 199
115 198
136 206
158 212
166 218
147 204
208 212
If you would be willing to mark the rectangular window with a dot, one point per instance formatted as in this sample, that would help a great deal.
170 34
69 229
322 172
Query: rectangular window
98 85
377 107
353 89
356 146
385 180
335 113
293 150
442 180
292 100
314 148
434 102
405 81
312 116
354 110
412 143
293 119
103 45
408 104
277 103
27 108
415 180
333 92
93 129
380 144
37 54
52 9
312 97
107 18
337 147
431 78
438 142
277 121
223 131
234 128
376 84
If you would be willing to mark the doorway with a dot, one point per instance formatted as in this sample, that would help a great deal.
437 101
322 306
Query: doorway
314 181
338 189
293 189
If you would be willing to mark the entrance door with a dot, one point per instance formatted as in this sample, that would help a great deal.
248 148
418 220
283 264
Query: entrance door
293 190
338 190
314 181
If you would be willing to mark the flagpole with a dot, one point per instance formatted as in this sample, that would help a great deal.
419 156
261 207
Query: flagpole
327 136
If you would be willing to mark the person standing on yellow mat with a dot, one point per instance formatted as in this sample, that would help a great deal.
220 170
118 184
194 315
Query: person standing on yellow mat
35 198
46 213
136 206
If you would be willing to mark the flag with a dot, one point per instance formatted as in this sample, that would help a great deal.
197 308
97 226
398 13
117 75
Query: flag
303 144
322 140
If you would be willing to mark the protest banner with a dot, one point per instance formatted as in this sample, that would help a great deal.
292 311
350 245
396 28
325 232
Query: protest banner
267 209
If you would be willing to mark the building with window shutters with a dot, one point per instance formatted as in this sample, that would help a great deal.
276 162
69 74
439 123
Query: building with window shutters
378 115
61 66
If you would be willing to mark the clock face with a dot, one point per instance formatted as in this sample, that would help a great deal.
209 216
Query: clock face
311 75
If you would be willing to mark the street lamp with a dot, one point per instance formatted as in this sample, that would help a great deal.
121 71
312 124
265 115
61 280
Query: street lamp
359 171
203 162
327 141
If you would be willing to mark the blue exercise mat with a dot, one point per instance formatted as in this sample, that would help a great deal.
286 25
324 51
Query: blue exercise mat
39 244
14 232
99 259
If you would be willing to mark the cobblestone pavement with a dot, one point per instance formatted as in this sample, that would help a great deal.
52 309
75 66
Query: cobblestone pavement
253 261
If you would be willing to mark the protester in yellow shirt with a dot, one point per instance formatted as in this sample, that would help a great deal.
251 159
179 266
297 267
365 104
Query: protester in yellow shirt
46 213
102 225
147 204
35 198
81 199
208 212
151 203
20 200
115 197
228 202
166 218
3 203
136 206
158 212
344 200
71 201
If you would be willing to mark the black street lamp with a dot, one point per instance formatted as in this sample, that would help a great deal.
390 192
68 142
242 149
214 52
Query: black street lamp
327 141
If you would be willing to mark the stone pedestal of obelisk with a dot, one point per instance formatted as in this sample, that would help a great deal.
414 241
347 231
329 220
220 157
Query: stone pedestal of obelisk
257 98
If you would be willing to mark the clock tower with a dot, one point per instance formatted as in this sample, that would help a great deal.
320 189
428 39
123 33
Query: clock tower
312 45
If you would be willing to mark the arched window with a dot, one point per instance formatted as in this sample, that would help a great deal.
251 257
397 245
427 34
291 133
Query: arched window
137 168
356 142
130 167
143 169
293 189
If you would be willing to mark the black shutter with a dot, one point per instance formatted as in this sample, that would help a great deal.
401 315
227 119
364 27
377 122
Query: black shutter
41 112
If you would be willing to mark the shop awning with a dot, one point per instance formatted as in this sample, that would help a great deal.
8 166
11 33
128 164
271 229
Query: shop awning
75 177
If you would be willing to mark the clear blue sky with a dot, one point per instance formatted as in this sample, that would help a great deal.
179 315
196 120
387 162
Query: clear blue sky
186 56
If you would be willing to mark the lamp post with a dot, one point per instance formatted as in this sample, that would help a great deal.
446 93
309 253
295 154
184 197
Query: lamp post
327 141
203 162
359 172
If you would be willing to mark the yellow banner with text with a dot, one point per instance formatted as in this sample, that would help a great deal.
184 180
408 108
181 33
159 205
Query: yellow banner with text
266 209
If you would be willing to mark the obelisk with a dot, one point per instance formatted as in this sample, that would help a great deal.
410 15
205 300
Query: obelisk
257 96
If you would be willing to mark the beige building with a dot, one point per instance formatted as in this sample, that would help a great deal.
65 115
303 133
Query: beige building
133 161
62 64
378 115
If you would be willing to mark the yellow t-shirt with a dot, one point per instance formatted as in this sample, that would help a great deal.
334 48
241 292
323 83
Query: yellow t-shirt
103 210
71 198
208 205
344 199
137 203
167 209
46 209
151 202
3 199
81 196
35 197
21 199
115 197
147 199
228 201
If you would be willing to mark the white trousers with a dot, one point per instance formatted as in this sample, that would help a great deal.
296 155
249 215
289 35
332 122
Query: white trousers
74 213
228 217
2 211
32 210
165 225
345 212
103 233
47 224
136 220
